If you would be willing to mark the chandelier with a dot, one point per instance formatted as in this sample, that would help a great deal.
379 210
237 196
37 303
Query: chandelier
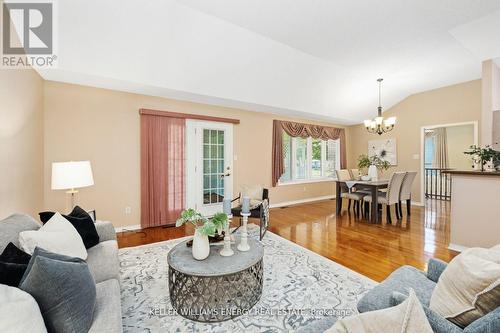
380 125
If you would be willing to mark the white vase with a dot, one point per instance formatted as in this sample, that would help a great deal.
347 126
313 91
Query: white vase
201 246
372 172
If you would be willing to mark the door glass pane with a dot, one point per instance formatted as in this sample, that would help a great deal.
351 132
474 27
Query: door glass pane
301 158
213 166
316 158
213 150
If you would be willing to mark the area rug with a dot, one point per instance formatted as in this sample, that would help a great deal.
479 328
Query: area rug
300 289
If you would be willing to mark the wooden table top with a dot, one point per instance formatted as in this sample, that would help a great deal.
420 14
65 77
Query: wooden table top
367 182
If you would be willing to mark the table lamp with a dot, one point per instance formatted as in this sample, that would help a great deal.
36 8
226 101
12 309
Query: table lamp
70 176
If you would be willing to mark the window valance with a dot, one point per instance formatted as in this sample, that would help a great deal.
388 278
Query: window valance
304 131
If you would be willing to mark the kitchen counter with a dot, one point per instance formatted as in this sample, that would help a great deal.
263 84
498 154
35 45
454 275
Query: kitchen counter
475 209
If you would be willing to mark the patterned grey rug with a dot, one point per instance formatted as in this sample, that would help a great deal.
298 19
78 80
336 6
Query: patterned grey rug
300 289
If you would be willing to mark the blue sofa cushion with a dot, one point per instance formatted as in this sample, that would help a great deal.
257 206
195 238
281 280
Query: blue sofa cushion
438 323
489 323
401 280
64 289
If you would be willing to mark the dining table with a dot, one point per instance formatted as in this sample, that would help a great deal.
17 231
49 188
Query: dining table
374 186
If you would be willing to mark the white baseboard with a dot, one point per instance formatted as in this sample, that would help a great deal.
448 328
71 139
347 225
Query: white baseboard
301 201
128 228
456 247
276 205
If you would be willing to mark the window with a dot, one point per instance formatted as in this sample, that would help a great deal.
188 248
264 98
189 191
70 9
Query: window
309 159
429 151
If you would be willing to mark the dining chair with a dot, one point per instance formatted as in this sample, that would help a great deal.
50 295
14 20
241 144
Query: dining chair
405 194
355 173
345 175
391 197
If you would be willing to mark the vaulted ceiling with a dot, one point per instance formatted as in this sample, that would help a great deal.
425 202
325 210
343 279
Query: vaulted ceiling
312 58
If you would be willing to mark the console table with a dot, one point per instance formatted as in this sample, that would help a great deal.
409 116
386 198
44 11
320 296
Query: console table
217 288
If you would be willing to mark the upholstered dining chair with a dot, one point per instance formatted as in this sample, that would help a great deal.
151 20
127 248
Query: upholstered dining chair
405 194
355 173
260 211
345 175
391 197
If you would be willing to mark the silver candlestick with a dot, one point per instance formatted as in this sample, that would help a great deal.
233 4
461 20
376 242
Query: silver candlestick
243 245
226 250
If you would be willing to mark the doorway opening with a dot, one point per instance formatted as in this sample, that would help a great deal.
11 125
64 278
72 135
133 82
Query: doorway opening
442 149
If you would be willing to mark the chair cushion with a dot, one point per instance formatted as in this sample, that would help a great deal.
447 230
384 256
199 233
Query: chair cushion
489 323
82 222
57 235
469 287
11 226
401 280
107 311
254 192
382 199
353 195
63 288
13 264
407 317
19 311
438 323
103 261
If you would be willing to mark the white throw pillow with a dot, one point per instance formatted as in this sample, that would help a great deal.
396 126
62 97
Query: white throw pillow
19 312
407 317
469 287
254 192
57 235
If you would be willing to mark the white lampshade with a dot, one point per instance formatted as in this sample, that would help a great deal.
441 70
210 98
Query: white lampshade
71 175
390 121
368 123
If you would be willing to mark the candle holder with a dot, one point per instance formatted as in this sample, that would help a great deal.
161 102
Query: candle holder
243 245
226 250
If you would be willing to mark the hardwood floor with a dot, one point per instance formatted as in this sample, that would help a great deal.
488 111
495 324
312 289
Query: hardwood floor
374 250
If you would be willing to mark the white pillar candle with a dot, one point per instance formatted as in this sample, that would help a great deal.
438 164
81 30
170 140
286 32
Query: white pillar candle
226 205
245 207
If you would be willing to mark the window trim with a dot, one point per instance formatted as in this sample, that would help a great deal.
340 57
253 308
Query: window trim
309 178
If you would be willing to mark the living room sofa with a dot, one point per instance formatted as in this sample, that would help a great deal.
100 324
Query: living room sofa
394 290
102 261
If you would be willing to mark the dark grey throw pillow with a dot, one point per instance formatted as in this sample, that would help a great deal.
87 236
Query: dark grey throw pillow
64 290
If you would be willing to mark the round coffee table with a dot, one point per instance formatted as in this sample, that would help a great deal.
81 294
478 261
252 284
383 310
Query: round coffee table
217 288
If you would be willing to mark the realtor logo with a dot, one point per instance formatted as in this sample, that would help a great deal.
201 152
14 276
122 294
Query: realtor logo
28 34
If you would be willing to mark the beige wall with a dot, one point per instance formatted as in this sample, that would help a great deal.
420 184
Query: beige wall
453 104
490 99
21 142
83 123
459 139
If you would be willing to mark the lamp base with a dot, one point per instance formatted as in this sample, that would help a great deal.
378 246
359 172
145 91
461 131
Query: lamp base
72 192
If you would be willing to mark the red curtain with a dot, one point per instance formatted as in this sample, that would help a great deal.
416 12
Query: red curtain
162 169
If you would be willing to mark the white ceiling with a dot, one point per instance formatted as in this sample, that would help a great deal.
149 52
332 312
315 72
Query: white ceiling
313 58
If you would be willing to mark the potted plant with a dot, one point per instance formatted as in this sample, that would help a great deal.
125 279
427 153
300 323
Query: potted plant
203 229
372 163
481 156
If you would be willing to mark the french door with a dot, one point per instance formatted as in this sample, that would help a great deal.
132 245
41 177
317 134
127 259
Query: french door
209 154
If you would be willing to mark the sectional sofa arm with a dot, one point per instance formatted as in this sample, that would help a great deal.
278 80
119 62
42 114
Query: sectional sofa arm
434 269
105 230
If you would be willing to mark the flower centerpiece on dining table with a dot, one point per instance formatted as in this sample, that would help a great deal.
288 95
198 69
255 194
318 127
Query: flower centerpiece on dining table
373 164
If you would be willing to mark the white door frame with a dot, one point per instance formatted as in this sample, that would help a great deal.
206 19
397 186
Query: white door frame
194 169
422 149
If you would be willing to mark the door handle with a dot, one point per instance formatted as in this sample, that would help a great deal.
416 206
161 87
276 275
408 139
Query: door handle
225 175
